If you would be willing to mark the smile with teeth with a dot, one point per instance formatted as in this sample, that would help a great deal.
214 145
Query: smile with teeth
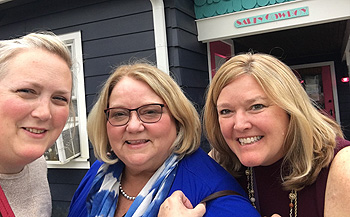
249 140
36 131
131 142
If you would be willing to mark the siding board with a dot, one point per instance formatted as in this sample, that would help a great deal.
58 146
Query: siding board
104 65
65 13
118 26
119 45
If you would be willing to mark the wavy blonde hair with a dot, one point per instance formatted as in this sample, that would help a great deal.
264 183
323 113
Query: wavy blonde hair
311 136
185 115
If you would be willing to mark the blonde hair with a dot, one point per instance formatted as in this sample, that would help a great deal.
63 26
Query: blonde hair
311 136
40 40
184 113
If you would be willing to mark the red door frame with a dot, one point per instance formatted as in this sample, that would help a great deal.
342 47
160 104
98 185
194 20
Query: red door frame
219 53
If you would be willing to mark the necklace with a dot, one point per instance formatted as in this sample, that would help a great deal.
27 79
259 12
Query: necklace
125 194
293 195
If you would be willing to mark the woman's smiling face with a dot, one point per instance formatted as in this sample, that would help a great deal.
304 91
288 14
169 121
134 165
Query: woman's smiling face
35 91
253 126
141 146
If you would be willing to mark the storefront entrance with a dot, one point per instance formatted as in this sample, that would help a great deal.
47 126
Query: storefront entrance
319 82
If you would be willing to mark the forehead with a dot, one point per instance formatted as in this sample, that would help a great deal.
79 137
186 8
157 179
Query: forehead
132 92
39 66
242 84
243 89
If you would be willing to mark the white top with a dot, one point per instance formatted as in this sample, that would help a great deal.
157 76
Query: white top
28 191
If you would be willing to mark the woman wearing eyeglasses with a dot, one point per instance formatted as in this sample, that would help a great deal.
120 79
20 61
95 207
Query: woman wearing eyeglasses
146 135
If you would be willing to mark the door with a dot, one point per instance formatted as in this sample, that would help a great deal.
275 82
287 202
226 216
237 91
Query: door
317 82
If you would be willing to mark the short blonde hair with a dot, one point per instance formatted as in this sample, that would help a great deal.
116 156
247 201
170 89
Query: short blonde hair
184 113
40 40
311 136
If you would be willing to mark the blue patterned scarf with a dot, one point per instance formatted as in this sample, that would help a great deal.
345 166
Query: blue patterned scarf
103 196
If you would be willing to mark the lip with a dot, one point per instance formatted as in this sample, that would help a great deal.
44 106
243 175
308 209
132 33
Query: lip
35 132
137 143
249 140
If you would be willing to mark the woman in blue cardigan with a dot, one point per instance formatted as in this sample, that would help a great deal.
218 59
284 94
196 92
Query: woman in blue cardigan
146 136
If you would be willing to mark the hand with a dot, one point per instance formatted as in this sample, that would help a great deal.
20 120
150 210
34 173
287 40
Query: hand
179 205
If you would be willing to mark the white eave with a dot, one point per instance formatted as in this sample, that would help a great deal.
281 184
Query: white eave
320 11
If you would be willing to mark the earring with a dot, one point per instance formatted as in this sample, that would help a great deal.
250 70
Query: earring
111 155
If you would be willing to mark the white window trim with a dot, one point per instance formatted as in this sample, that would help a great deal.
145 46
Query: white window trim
81 162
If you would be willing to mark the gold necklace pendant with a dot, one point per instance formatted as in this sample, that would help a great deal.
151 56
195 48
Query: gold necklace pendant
293 205
293 195
250 186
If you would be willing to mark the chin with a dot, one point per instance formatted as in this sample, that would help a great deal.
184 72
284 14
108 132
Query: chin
249 162
32 154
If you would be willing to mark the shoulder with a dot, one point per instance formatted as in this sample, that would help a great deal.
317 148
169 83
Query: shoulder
199 175
199 165
340 164
39 164
199 172
341 143
337 198
37 171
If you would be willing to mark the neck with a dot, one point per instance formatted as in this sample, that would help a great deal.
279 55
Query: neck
10 169
134 182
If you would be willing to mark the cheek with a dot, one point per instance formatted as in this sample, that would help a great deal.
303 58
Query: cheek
114 133
14 108
281 123
165 130
60 116
226 128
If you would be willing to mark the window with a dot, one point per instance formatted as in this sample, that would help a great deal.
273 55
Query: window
71 149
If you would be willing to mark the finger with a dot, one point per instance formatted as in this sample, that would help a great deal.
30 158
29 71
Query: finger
186 202
182 197
199 210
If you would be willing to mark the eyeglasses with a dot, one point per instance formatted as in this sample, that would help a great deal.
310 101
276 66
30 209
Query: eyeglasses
150 113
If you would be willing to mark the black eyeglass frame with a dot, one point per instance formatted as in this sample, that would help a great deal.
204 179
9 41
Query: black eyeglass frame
137 112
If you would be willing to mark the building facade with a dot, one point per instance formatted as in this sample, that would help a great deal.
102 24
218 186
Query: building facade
187 39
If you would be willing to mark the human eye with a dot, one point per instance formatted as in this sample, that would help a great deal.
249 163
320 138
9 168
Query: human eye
61 99
225 112
150 110
118 113
257 107
26 92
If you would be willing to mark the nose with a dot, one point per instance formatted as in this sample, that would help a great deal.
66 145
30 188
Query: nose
241 121
134 124
42 110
